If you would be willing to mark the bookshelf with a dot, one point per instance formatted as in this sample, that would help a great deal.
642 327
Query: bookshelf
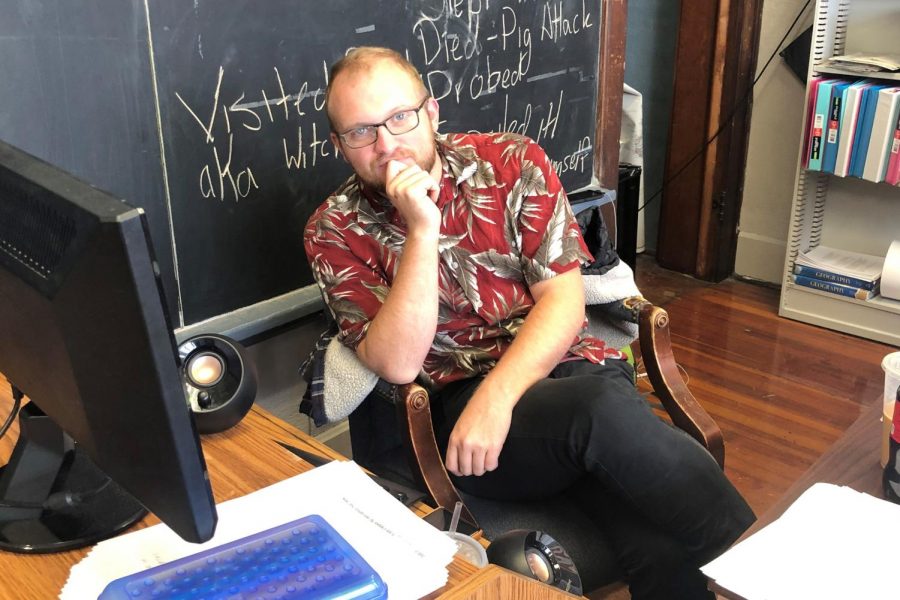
846 213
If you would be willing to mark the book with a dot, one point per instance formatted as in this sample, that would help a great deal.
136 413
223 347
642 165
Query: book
887 109
865 267
820 118
851 105
892 176
833 127
824 275
863 132
835 288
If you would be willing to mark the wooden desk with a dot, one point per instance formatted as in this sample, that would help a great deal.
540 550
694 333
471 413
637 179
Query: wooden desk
852 461
240 460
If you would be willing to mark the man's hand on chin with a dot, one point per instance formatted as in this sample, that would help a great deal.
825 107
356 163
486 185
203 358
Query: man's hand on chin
413 192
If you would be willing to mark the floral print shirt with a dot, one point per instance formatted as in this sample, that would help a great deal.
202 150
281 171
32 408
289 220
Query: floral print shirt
506 225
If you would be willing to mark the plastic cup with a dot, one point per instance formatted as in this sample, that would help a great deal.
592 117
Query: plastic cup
891 366
469 549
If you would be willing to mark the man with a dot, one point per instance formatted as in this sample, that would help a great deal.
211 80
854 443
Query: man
455 259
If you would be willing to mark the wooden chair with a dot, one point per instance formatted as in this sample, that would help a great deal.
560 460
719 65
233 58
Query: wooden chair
656 350
392 435
592 555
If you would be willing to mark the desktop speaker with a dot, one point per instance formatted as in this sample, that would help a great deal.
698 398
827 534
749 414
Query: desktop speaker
220 381
537 555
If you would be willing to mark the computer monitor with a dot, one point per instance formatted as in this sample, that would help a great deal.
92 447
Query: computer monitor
85 334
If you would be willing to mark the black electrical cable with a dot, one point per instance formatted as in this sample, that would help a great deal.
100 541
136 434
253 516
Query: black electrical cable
740 104
17 403
54 501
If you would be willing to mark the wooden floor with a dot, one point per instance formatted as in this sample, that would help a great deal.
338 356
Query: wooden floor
782 391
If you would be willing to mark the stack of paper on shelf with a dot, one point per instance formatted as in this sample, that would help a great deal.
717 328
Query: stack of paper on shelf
832 543
865 63
410 555
841 272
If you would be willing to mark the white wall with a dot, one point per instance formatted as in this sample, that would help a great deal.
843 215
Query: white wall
775 132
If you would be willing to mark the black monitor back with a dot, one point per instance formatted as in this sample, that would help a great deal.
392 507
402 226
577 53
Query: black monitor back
85 334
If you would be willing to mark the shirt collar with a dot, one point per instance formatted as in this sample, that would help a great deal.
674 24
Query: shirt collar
460 163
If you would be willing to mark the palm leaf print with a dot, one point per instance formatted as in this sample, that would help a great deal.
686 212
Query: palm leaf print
380 291
551 247
463 270
502 265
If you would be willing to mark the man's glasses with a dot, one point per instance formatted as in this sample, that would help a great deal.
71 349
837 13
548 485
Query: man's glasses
397 124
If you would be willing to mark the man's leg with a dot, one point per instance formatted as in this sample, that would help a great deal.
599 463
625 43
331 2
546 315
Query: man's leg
656 566
589 418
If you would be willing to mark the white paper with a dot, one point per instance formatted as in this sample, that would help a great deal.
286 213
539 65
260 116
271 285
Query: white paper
852 264
410 555
832 543
869 62
890 274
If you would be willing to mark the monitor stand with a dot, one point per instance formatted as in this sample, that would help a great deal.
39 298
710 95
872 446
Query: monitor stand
53 497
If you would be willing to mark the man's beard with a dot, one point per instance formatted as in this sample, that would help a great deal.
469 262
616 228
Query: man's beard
426 164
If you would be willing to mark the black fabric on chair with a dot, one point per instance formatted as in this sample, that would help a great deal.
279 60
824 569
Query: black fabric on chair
377 446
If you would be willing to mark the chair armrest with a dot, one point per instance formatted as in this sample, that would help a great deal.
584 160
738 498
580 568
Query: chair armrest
685 411
425 459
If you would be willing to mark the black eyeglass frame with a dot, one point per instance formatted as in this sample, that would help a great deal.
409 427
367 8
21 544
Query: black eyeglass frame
375 126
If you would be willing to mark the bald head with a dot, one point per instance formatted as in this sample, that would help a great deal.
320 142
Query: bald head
364 60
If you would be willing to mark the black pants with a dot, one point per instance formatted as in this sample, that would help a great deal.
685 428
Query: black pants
659 495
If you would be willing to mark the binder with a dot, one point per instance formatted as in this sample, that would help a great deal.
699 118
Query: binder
887 109
893 170
851 104
820 117
834 123
863 132
811 112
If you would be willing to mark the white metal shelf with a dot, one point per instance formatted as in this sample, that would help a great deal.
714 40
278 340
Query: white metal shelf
845 212
875 319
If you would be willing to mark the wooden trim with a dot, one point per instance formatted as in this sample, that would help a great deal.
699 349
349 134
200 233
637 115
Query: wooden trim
720 50
610 80
714 69
679 209
727 193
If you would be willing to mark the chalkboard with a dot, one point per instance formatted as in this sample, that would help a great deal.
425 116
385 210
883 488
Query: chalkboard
76 90
222 137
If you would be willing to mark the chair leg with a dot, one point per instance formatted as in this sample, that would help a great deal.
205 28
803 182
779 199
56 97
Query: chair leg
684 409
425 458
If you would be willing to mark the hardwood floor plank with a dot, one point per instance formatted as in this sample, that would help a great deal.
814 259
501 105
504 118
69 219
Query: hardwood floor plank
782 391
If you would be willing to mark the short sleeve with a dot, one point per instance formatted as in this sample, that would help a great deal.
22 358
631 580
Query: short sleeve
352 286
550 238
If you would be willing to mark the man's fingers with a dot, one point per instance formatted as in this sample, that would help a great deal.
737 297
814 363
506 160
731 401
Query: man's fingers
492 460
478 463
394 167
464 460
450 461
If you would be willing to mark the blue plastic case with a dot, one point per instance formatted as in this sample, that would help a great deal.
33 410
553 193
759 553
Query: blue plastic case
305 558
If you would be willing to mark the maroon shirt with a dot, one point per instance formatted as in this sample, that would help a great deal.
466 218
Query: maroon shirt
506 224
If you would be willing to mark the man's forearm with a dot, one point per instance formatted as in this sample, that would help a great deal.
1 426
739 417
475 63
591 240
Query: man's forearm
480 432
543 339
401 334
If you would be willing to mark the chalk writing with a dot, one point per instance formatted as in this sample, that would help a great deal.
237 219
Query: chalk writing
235 122
470 52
